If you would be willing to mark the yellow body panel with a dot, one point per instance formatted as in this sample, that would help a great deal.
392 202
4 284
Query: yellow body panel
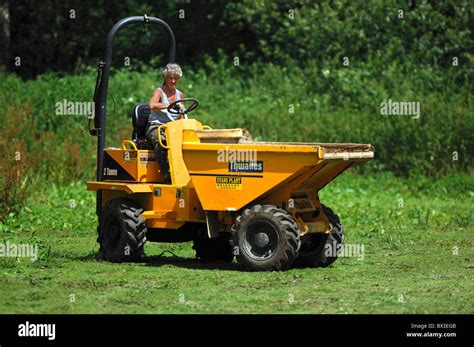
174 136
129 188
210 169
165 206
131 165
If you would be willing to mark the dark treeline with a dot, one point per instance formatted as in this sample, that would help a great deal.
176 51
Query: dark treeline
59 35
56 35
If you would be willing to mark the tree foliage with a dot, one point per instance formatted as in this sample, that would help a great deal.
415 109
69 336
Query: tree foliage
417 35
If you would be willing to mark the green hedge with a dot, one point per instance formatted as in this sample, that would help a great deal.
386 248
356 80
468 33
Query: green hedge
328 106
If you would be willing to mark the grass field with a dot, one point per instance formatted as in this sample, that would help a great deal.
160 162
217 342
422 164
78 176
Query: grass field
418 239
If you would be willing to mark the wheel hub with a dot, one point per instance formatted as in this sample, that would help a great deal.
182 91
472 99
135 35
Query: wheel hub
261 239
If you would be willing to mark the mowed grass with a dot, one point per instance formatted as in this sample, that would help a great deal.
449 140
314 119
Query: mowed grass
418 258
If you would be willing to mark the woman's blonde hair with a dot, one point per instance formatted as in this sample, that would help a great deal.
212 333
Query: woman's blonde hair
172 69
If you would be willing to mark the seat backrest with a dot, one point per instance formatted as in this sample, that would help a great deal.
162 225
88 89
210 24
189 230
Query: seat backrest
140 114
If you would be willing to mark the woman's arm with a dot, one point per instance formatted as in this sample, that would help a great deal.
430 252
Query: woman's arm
182 97
155 103
182 108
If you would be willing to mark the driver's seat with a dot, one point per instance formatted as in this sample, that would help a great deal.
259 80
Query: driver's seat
140 114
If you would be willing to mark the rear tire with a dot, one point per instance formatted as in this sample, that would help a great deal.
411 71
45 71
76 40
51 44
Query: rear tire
317 250
267 238
122 231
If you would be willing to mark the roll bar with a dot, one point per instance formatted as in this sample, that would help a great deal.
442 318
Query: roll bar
102 85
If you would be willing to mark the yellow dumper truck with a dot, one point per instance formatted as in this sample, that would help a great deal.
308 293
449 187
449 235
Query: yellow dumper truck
232 196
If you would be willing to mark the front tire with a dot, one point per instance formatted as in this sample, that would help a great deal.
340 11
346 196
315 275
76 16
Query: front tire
122 231
267 238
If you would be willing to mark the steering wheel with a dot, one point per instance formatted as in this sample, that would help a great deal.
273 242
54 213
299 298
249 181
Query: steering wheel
174 108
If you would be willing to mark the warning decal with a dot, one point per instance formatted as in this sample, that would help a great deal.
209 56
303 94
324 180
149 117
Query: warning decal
229 182
147 159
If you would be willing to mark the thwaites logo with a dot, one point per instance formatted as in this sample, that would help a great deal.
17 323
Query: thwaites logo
246 166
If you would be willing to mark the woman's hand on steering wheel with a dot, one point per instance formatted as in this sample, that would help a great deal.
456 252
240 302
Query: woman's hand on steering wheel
176 108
